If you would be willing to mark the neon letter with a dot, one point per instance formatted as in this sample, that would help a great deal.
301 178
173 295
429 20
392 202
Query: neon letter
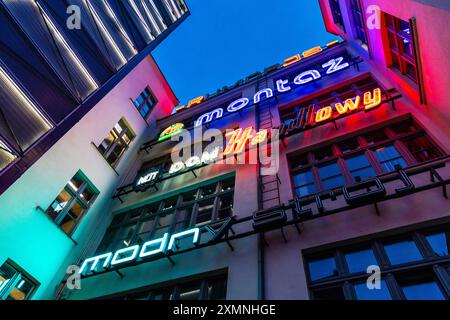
209 116
117 260
153 243
260 137
292 60
195 101
311 52
147 178
268 92
281 85
238 105
314 75
175 167
193 161
238 140
95 260
372 102
195 240
335 65
323 114
348 105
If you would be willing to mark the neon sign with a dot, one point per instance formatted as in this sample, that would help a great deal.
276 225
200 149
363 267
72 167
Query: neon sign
162 246
282 86
370 100
308 117
195 161
287 62
171 131
238 139
147 180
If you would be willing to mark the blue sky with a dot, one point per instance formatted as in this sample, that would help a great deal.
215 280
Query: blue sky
225 40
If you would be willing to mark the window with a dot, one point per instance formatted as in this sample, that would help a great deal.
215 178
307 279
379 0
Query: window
322 268
205 205
7 156
118 140
145 102
358 22
362 292
359 167
15 284
401 47
359 158
389 158
211 288
337 14
72 203
341 273
402 252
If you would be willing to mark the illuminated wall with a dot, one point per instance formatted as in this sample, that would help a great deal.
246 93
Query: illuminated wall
27 235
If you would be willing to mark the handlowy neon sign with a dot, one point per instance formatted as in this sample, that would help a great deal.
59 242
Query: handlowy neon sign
282 86
153 248
308 116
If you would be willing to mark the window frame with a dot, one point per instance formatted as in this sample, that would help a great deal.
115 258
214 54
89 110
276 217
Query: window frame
75 198
359 27
19 275
393 138
394 47
151 99
336 12
431 264
112 240
126 129
173 289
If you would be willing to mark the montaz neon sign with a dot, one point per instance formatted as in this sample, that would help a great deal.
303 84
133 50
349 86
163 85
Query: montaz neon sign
150 249
282 86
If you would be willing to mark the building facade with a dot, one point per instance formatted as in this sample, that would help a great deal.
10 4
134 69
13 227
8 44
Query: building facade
77 102
334 166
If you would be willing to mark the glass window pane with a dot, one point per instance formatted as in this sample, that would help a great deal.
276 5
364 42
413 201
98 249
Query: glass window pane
21 290
335 293
359 166
364 293
329 170
6 274
438 243
333 182
59 204
423 291
190 292
217 289
306 190
322 268
375 137
205 211
402 252
389 157
303 178
358 261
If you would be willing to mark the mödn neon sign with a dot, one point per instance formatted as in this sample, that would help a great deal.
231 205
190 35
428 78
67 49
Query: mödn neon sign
282 86
150 249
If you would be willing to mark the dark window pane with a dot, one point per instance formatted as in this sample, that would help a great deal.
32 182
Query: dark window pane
438 243
299 161
191 292
389 158
423 291
402 252
364 293
358 261
322 268
217 289
375 137
360 167
422 149
324 153
335 293
348 145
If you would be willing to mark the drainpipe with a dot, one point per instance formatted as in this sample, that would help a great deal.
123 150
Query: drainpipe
261 271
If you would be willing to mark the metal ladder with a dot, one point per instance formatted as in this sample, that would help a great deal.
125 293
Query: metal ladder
269 186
